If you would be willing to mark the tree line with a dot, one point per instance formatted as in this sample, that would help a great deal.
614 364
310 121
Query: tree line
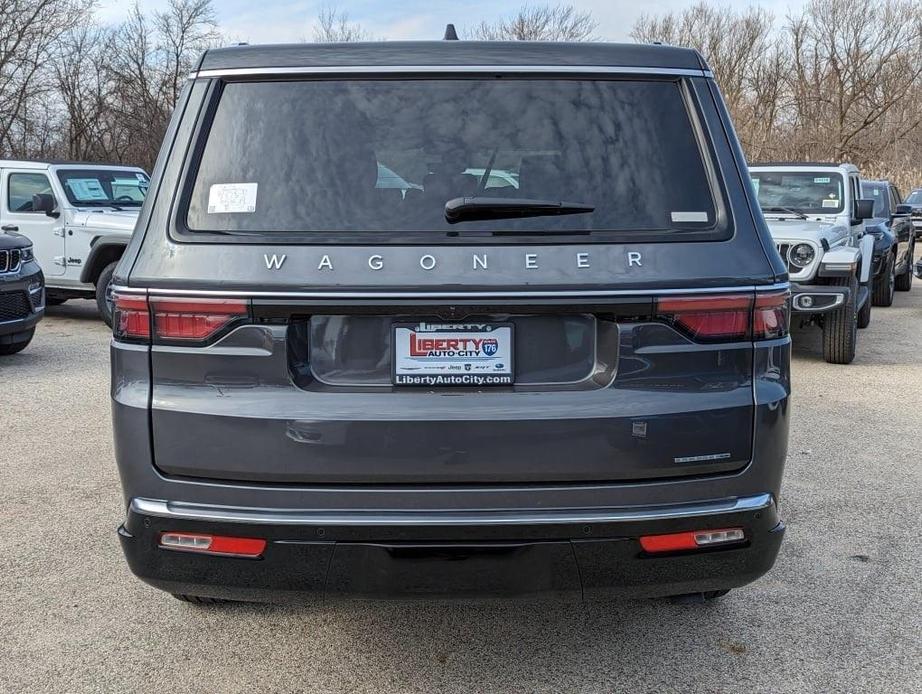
838 80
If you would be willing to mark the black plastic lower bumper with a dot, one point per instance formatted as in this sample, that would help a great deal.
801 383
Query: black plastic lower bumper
22 303
569 559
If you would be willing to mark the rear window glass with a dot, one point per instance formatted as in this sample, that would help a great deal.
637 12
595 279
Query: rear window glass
386 156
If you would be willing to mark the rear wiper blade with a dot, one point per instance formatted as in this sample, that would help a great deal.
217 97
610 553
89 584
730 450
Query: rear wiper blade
478 208
789 210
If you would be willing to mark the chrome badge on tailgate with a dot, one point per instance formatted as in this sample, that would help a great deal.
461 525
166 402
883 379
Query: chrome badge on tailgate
453 354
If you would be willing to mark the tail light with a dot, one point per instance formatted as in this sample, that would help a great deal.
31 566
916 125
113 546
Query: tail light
176 320
727 317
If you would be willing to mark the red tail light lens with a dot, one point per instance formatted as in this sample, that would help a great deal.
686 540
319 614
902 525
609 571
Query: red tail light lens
771 315
727 317
130 317
194 320
213 544
719 318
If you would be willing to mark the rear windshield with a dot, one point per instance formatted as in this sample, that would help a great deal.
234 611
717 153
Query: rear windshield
386 156
809 192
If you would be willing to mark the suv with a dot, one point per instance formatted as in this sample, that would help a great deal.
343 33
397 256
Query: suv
894 241
79 218
22 299
816 215
576 383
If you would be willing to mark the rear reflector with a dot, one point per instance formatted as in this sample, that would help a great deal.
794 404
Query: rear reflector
213 544
694 539
727 317
193 320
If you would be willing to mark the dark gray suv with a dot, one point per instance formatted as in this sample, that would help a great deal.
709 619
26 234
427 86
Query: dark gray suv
546 350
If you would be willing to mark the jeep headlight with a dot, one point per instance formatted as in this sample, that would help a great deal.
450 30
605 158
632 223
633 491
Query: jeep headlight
801 255
26 254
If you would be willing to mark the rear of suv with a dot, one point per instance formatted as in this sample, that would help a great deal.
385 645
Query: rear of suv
450 319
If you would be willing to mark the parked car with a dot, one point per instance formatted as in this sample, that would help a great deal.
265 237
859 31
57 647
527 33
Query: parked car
816 216
22 300
578 387
894 241
79 218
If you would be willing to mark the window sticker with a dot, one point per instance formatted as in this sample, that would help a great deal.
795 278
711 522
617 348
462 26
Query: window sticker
140 177
680 217
86 189
822 179
830 202
755 184
232 197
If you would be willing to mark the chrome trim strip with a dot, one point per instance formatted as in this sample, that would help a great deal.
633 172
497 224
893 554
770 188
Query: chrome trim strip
452 69
197 512
586 293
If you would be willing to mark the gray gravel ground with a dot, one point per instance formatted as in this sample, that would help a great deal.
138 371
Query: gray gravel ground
839 612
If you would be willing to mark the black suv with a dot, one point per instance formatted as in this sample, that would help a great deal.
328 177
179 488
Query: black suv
450 318
22 292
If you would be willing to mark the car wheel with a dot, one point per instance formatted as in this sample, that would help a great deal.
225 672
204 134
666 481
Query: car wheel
864 313
904 279
18 346
840 327
696 598
104 292
199 599
885 284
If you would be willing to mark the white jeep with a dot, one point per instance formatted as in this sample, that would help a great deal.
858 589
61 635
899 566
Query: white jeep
816 217
79 218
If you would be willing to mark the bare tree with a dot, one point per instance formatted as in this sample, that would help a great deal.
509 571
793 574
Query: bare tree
539 23
333 26
840 80
29 31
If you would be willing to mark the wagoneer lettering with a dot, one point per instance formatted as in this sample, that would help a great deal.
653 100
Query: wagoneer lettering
462 344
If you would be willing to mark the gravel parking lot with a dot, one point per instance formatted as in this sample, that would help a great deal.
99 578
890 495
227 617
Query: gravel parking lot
839 612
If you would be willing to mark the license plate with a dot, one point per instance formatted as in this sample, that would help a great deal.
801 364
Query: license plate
453 354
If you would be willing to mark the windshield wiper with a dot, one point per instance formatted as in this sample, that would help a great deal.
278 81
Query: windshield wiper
789 210
479 208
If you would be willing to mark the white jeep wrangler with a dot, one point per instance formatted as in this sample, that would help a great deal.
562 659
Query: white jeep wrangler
79 218
816 217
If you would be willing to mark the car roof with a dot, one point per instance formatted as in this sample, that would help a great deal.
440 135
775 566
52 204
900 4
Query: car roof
41 164
803 165
452 54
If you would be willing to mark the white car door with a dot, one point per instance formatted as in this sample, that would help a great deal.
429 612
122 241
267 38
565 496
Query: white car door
46 233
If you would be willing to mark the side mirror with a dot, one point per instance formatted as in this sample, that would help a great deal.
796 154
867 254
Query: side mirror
917 270
45 202
864 209
903 210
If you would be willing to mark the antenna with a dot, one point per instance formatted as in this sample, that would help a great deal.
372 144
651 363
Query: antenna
450 33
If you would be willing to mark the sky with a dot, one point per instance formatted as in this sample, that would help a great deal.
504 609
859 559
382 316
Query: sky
278 21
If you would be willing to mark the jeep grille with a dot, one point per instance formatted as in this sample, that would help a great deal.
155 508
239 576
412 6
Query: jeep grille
9 260
13 306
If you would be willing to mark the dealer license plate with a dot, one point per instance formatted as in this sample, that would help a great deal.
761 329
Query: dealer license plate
453 354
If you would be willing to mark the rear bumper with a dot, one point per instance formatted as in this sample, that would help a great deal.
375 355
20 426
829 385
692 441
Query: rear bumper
567 552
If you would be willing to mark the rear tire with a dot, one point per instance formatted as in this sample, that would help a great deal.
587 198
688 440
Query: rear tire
199 599
18 346
904 280
885 284
697 598
104 292
864 313
840 328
